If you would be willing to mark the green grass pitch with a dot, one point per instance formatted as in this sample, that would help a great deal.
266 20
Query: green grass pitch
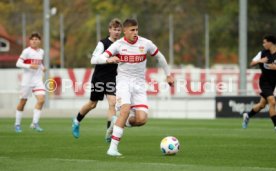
205 145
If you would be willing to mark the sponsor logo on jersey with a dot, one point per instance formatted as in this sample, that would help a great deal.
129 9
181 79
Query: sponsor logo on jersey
132 58
33 61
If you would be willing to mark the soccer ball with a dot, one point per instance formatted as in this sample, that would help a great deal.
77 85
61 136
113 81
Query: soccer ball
169 145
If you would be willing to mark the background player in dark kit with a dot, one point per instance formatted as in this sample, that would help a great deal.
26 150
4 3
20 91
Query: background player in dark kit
103 81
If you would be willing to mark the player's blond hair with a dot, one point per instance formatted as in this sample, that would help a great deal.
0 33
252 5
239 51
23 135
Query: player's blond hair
115 23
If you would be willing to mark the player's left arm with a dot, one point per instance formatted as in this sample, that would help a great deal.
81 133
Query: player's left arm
153 50
164 65
42 66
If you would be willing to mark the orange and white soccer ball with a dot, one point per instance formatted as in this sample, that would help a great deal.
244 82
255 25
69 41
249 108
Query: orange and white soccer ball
169 145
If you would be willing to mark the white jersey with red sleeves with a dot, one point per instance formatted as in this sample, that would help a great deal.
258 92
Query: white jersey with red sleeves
133 56
30 76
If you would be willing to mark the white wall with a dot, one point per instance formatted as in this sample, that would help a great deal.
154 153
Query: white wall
191 97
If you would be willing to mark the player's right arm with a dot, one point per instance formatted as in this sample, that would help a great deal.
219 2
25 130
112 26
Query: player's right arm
20 62
100 57
258 59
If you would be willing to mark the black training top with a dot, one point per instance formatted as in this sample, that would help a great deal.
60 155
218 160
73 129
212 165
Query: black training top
105 72
271 59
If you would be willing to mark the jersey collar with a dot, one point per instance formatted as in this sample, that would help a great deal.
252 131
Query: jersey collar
131 42
36 49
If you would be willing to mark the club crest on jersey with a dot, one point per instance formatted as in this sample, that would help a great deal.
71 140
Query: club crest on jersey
141 49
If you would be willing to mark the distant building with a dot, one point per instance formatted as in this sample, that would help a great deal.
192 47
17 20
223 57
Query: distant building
10 49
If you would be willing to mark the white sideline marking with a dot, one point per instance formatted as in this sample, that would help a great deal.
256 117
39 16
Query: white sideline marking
210 166
81 160
158 164
4 157
170 164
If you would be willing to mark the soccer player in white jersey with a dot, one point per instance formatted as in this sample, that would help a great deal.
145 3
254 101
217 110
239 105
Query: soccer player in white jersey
31 62
131 95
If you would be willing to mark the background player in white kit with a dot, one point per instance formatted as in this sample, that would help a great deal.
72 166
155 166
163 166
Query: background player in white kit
31 62
130 88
